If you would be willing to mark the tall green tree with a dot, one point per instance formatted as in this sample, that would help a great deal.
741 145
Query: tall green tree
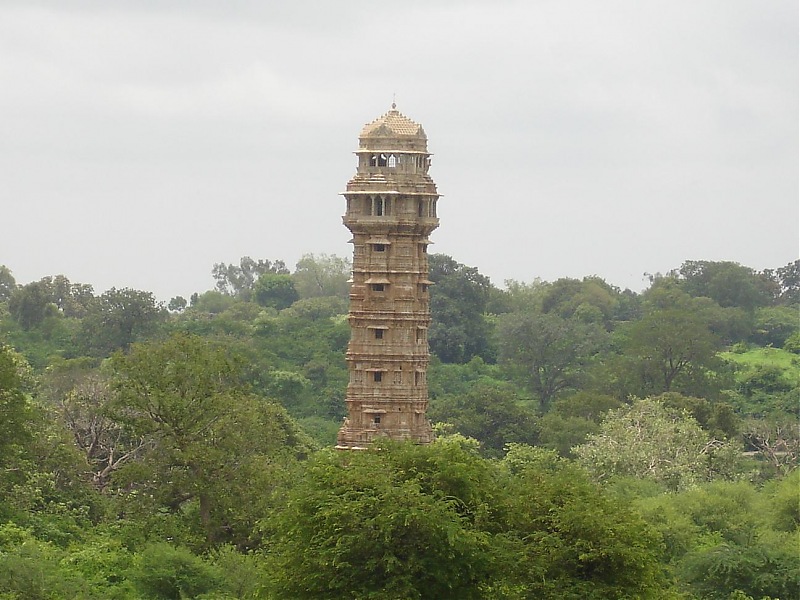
322 275
118 318
572 418
591 299
28 304
564 538
789 280
14 408
548 352
385 524
239 280
274 290
671 348
729 284
492 413
459 298
7 283
209 441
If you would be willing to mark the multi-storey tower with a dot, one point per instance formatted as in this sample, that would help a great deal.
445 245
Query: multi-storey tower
391 210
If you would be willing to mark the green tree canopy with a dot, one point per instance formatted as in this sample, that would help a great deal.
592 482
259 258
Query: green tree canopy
572 418
238 280
208 440
492 413
548 352
459 298
322 275
789 280
14 409
565 538
276 291
118 318
591 300
385 524
671 348
727 283
7 283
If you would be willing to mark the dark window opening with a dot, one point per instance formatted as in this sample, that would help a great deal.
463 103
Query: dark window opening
420 335
379 334
376 419
379 247
382 160
380 206
417 378
377 376
378 287
373 160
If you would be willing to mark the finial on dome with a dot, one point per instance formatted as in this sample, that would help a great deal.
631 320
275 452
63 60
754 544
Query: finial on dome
394 103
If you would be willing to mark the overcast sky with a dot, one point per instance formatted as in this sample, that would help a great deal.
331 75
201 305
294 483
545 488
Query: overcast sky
143 141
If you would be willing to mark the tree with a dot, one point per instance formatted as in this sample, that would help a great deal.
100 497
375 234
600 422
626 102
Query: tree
789 279
7 283
208 441
669 349
211 301
72 299
572 418
591 300
28 304
549 352
459 330
776 439
322 275
238 280
390 524
717 418
14 409
177 304
722 541
649 441
774 325
118 318
164 572
84 407
32 303
564 537
277 291
727 283
491 413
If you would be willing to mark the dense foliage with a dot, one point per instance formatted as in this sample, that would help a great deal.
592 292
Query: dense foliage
592 442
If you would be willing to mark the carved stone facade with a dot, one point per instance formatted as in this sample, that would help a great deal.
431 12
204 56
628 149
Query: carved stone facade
391 211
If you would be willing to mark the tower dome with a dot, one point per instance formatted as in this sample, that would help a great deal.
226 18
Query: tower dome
393 131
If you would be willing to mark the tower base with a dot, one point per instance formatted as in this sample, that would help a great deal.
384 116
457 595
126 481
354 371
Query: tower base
359 438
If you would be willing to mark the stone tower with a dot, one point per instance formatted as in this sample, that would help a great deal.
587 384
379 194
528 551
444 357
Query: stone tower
391 210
